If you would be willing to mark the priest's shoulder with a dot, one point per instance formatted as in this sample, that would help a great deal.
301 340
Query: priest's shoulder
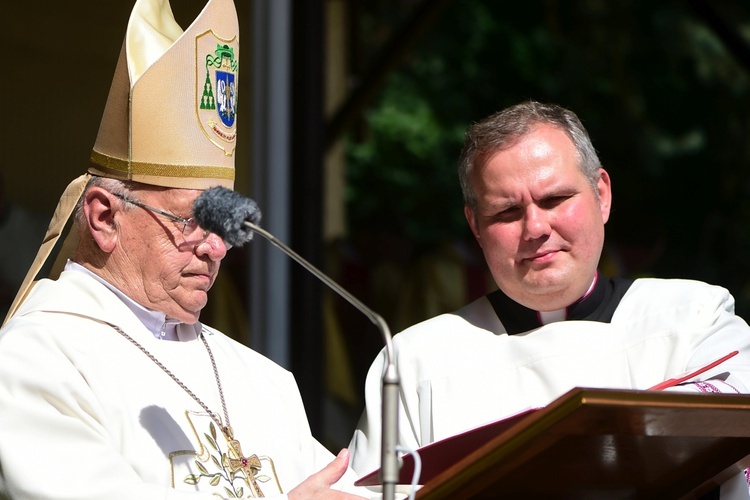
660 294
474 319
675 287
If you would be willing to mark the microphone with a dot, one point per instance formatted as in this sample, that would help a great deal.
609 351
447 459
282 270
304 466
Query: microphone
235 218
228 214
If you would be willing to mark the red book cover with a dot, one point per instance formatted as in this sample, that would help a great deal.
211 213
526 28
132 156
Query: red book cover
440 455
688 375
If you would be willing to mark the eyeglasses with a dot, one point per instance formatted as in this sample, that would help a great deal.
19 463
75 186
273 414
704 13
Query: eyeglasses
191 231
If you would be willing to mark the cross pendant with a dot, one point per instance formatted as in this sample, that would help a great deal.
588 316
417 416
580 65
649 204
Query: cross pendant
250 466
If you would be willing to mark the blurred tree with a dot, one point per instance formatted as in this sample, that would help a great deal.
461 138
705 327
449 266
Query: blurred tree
666 103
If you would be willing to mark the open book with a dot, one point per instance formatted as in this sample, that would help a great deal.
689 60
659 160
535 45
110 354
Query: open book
440 455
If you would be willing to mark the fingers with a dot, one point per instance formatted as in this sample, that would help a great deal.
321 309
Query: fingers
334 470
318 485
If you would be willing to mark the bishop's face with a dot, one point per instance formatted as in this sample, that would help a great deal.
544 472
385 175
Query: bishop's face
158 268
539 221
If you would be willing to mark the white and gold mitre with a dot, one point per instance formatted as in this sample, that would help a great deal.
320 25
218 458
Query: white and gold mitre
171 115
170 118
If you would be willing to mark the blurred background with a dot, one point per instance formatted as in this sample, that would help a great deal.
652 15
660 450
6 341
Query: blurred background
351 119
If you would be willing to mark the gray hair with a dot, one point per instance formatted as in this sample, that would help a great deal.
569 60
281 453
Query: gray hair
114 186
505 128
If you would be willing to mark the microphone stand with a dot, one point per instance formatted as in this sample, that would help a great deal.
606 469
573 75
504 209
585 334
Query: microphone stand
389 466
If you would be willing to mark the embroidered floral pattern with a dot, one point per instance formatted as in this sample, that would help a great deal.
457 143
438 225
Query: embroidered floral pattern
226 468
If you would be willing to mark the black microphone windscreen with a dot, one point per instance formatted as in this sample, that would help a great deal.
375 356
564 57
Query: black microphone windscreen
224 212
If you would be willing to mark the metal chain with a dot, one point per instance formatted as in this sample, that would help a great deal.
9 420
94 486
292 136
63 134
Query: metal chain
225 429
228 427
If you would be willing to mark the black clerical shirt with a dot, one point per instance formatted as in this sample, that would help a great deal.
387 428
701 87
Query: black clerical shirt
597 305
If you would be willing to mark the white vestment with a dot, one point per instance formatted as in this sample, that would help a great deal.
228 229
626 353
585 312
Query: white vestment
85 414
462 370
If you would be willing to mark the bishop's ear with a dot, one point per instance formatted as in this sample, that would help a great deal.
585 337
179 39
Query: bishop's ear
99 209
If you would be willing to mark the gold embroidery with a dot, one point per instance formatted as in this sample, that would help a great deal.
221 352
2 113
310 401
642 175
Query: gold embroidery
222 468
127 168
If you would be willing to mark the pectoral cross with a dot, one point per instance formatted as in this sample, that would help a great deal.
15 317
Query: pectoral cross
250 466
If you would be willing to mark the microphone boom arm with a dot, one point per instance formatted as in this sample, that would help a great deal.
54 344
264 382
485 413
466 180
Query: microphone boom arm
389 459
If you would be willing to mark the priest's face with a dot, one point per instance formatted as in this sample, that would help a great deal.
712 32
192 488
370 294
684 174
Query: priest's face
160 267
539 221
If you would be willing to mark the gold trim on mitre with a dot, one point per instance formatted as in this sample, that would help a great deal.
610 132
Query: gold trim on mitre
118 168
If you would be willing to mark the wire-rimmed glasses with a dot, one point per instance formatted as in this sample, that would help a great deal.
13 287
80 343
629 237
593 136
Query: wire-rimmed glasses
191 231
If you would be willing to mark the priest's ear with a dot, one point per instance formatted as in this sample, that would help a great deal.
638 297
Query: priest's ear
472 220
604 193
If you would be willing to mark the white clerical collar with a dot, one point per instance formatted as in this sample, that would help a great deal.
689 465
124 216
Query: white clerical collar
547 317
156 321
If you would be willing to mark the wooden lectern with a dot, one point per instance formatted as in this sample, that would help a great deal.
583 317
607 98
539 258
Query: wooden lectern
594 443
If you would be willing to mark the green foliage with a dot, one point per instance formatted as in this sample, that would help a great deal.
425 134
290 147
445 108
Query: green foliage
666 104
408 168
